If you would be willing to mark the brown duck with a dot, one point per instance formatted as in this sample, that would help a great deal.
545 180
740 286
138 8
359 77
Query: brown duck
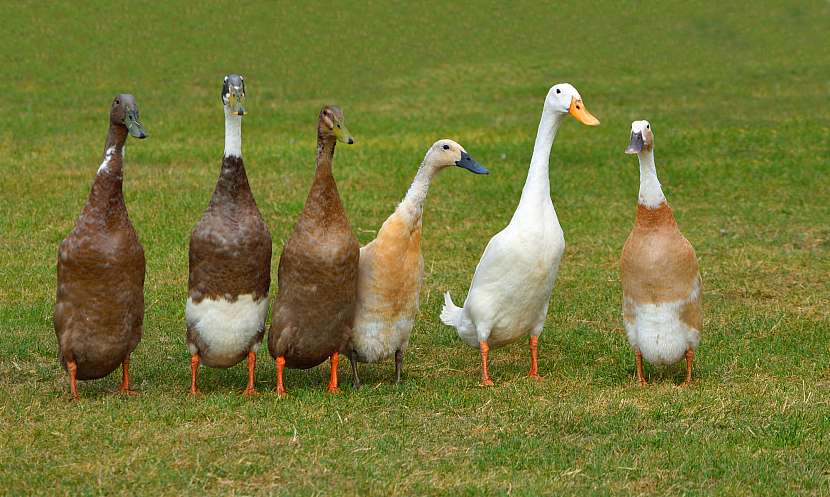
230 261
659 273
99 308
317 277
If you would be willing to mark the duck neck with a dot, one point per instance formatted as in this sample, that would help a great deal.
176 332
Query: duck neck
537 185
323 202
325 154
232 185
651 195
233 134
412 205
106 200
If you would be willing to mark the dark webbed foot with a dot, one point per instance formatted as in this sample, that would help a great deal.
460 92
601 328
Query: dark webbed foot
398 366
355 376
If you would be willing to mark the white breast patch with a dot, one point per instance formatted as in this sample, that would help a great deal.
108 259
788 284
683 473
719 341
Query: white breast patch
658 332
227 328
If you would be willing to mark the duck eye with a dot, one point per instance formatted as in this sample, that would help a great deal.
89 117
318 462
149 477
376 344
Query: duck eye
558 90
446 147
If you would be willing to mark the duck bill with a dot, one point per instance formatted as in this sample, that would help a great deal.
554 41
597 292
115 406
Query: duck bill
342 134
235 104
470 164
134 127
578 110
635 146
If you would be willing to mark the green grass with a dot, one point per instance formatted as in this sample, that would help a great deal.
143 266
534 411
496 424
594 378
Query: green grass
737 95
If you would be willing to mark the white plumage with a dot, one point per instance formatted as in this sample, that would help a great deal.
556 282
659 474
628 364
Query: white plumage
512 284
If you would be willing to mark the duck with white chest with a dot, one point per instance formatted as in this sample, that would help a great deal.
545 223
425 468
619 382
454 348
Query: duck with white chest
230 261
659 273
391 268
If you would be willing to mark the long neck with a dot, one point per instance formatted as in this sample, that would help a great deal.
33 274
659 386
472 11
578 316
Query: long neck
537 185
106 200
233 134
412 205
651 195
325 153
323 202
232 186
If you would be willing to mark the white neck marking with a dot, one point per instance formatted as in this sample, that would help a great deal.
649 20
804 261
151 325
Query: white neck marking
233 134
105 164
651 195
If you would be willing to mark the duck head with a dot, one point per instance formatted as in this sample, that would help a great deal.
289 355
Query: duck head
642 138
331 124
564 99
124 112
233 94
446 153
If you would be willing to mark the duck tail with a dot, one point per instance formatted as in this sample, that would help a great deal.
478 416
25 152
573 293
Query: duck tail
451 314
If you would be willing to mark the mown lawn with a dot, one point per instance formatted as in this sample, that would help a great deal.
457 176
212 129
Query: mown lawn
737 95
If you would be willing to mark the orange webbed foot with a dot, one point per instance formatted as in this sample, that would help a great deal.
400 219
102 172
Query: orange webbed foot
127 391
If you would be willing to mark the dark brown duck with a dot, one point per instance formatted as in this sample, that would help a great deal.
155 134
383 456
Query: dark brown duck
317 277
99 308
230 261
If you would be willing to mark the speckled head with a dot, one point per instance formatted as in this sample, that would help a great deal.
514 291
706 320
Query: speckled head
233 94
125 112
332 124
642 138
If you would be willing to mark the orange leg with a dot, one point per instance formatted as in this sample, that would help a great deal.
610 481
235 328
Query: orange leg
690 355
125 378
194 366
638 359
335 359
280 366
485 374
534 369
73 378
251 365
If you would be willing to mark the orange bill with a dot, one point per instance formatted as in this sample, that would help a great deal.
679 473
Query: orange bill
581 114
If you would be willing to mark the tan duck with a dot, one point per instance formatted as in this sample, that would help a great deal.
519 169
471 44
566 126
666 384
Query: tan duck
230 261
659 273
317 277
392 268
99 307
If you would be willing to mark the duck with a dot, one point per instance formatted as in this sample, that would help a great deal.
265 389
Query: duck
512 284
229 261
659 273
99 302
391 268
314 308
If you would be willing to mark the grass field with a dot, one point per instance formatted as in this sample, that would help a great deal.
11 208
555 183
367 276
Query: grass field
737 95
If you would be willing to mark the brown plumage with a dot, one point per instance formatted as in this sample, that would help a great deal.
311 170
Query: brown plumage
99 308
314 308
230 261
659 273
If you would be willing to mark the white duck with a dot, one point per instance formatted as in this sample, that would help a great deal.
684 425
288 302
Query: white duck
659 273
511 287
392 268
